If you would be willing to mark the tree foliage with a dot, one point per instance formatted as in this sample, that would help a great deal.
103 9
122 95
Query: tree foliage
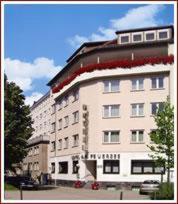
163 138
17 124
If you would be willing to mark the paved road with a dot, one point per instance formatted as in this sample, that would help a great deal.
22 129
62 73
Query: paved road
66 193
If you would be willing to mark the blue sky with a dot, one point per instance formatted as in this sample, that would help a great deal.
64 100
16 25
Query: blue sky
40 38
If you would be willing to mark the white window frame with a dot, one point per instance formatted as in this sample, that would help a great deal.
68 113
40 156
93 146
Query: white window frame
60 124
109 116
75 141
66 143
137 110
75 117
157 107
66 101
137 137
137 84
148 32
53 146
109 136
137 33
157 82
53 127
75 95
59 144
124 35
66 121
53 108
59 103
110 86
163 30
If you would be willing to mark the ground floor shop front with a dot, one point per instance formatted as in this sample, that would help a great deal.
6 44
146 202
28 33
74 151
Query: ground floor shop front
127 167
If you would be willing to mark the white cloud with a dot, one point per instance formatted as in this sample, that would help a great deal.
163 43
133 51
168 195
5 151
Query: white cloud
29 100
142 16
23 73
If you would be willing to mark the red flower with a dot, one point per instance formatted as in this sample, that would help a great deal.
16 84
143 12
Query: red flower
116 64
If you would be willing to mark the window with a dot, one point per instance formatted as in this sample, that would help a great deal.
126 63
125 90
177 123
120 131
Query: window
145 167
53 126
59 103
137 136
125 39
137 109
111 111
75 117
66 121
137 37
163 35
53 108
156 106
60 144
150 36
111 86
63 167
75 95
157 82
111 166
66 143
44 124
111 137
52 167
75 167
66 101
75 140
53 146
60 124
137 84
41 116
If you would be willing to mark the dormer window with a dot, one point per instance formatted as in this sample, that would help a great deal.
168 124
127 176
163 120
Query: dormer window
163 34
124 39
137 37
150 36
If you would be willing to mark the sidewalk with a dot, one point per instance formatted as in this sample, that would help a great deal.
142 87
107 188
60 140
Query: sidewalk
66 193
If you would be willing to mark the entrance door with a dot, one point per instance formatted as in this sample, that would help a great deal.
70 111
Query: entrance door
91 170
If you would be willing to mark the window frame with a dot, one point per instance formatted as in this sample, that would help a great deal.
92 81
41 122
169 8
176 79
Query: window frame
158 104
66 142
124 35
157 82
67 167
110 86
137 33
111 165
150 32
75 144
110 111
109 137
75 117
53 167
143 162
163 30
66 124
137 110
60 124
137 84
60 144
73 167
137 136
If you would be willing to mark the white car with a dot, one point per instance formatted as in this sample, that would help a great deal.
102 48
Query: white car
149 186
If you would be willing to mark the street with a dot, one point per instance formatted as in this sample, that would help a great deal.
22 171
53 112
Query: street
67 193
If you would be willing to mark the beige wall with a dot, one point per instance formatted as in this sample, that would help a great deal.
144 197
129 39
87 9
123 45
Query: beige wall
92 94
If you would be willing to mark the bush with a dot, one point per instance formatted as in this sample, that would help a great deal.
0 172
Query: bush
166 192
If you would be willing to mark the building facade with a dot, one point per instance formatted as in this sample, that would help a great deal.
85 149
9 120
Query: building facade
36 162
103 104
105 100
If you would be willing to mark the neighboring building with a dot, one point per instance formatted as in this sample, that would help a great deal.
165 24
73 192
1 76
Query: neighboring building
36 161
105 100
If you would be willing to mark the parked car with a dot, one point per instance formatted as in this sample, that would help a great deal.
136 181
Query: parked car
24 181
149 186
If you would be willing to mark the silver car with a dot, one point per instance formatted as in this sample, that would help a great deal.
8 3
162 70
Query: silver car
149 186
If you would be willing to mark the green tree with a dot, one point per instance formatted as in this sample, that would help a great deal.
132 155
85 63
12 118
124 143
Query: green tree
163 138
17 124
